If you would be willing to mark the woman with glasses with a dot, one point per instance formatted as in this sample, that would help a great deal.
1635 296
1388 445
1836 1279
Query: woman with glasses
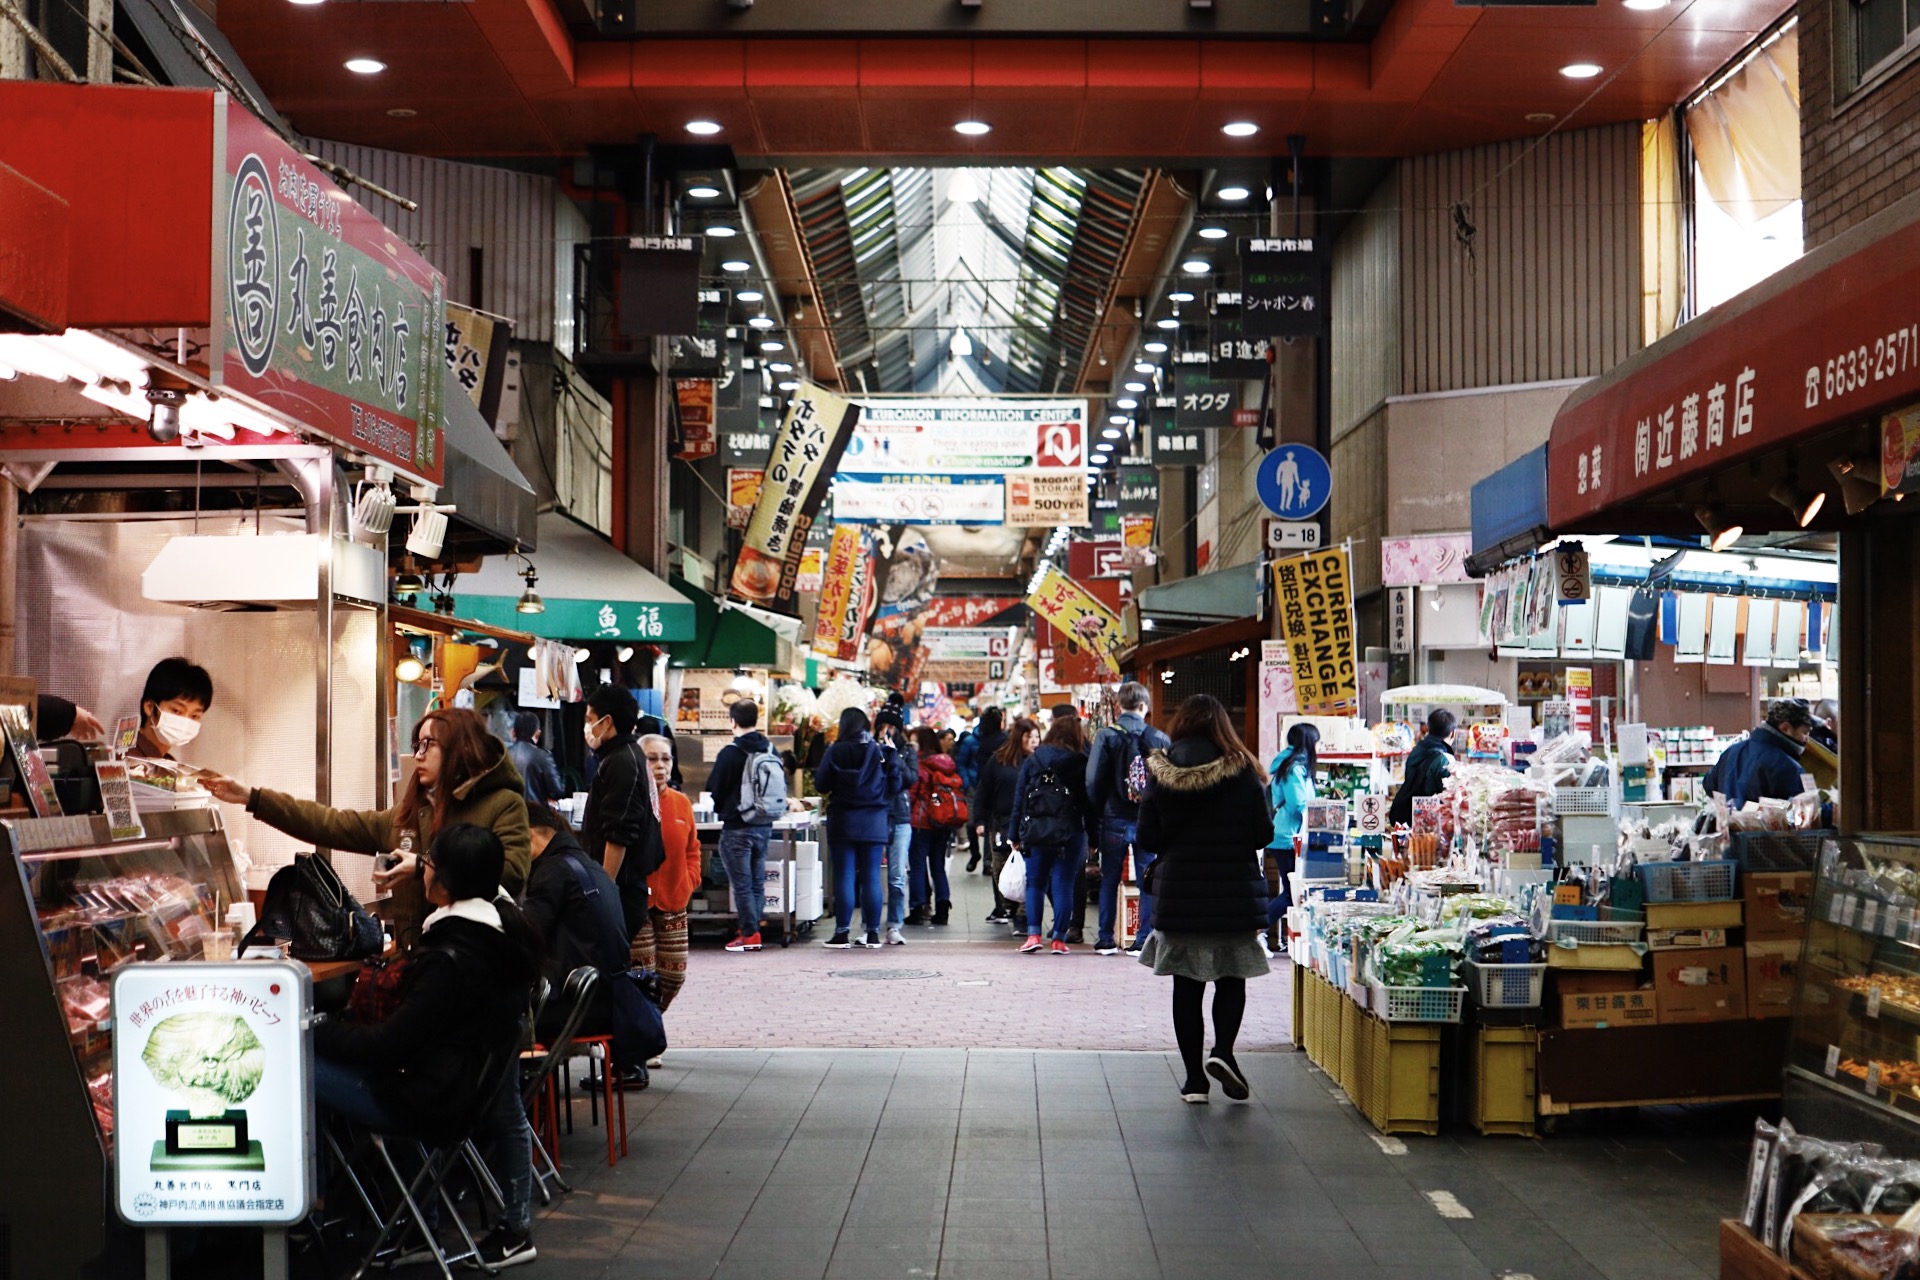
662 944
461 774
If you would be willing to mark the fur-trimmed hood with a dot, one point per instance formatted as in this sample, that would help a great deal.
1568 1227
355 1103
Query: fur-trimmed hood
1200 767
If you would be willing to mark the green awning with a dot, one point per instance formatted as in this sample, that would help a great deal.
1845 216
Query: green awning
592 591
723 637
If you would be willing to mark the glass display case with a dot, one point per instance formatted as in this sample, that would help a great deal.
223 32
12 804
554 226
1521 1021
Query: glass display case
79 906
1854 1061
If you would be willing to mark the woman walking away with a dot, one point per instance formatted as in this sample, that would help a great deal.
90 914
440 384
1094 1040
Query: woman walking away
1050 815
993 808
853 777
938 810
1206 815
1289 791
903 770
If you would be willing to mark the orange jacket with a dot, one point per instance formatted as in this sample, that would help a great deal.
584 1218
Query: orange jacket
671 887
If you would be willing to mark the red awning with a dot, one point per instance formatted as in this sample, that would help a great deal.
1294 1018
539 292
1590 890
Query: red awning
1828 342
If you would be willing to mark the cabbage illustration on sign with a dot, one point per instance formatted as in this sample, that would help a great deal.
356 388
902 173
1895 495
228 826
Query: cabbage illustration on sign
209 1060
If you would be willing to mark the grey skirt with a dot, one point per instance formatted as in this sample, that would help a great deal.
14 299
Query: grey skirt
1204 957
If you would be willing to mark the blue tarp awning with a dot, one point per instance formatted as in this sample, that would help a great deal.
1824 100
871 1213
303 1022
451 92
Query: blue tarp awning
1510 507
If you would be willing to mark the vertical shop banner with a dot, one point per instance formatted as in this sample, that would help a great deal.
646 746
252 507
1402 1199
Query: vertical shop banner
1139 489
325 315
1276 696
1037 498
846 592
743 490
1136 541
1580 700
1314 595
805 453
813 568
693 397
1075 613
1282 288
476 346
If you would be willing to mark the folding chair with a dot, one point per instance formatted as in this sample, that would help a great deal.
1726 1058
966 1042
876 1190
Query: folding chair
537 1091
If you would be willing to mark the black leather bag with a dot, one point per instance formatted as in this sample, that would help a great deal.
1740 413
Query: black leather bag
309 907
639 1032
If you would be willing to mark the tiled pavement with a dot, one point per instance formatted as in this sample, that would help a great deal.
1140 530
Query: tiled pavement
1032 1161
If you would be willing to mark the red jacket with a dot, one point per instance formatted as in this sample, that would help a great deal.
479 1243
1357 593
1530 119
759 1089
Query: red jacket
671 887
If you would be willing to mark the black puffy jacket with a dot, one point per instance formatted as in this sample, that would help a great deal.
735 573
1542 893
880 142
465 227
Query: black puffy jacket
1207 817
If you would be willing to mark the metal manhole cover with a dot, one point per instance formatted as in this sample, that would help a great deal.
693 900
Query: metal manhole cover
886 975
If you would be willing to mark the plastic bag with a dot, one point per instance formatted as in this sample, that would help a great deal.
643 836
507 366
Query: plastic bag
1013 878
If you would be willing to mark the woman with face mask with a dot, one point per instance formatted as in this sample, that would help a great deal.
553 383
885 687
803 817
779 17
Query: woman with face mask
176 696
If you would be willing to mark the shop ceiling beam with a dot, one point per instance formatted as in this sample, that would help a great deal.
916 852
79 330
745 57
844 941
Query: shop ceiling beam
1238 19
776 210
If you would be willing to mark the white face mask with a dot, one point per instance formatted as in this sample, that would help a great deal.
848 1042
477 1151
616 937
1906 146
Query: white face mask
592 735
175 730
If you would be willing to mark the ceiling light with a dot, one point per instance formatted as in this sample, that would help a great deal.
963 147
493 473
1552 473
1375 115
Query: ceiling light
409 584
1240 129
530 601
398 113
1137 387
1171 322
735 266
1645 4
1857 491
1180 295
1128 403
960 345
581 655
1720 534
1233 193
973 128
1111 433
624 653
1539 117
1580 70
1158 347
365 66
1118 420
1145 367
760 322
702 128
721 231
789 385
409 669
779 366
963 189
1804 506
703 192
750 295
1213 233
1196 266
773 344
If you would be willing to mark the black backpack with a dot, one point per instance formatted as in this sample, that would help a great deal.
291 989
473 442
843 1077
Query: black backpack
1049 818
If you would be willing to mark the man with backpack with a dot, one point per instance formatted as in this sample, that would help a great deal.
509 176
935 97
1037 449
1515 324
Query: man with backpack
1116 781
749 787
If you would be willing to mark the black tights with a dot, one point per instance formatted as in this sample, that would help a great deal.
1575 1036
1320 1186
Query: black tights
1229 1006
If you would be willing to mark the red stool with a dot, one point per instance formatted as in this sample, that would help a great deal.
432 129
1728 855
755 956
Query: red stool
600 1049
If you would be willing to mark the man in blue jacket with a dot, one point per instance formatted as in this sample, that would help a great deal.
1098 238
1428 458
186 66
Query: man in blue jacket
1765 765
1117 811
743 842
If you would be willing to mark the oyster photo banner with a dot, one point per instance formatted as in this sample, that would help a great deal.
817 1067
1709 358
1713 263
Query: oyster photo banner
806 451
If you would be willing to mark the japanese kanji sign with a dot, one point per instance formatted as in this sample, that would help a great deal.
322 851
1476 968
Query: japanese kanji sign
846 594
1282 288
1139 489
1235 353
325 315
1074 612
1172 444
805 453
1200 402
1315 600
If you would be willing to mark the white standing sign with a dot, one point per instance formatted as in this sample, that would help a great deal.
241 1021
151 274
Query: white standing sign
1370 814
213 1093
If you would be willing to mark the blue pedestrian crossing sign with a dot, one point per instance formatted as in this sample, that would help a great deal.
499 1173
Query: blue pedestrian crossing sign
1294 482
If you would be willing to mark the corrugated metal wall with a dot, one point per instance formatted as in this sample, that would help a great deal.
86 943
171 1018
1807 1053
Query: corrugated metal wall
508 216
1366 310
1359 503
1550 288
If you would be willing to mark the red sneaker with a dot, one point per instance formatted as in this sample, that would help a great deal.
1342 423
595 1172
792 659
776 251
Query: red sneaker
1033 944
1059 948
749 943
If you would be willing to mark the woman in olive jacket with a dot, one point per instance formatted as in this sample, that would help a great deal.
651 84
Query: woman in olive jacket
1206 815
461 773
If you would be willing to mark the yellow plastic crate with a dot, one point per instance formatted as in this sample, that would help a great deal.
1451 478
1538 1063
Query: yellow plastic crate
1402 1093
1501 1089
1313 1020
1360 1092
1350 1018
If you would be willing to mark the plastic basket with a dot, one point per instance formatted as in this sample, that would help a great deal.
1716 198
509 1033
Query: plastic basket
1418 1004
1505 986
1592 933
1688 881
1779 850
1581 800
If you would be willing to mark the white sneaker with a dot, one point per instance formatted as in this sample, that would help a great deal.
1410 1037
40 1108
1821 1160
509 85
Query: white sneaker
894 938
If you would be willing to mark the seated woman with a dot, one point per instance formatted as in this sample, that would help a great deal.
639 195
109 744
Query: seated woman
463 997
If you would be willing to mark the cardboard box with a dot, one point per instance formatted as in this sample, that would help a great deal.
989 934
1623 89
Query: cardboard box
1595 957
1708 984
1777 903
1673 939
1603 1009
1772 968
1573 982
1693 915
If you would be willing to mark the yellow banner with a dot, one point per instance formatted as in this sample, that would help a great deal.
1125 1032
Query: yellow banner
805 453
1315 599
841 619
1077 615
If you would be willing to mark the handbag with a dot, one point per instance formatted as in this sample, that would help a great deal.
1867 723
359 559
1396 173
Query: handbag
1013 877
309 907
376 991
1149 878
639 1032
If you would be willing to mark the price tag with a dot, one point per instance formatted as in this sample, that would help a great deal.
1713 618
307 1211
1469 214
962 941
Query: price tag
1869 914
1873 1079
1834 904
1873 1002
1833 1060
1849 907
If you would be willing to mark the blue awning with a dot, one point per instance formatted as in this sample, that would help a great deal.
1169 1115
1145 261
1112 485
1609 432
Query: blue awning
1510 510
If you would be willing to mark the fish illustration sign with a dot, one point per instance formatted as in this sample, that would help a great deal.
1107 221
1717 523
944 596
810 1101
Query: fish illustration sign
1294 482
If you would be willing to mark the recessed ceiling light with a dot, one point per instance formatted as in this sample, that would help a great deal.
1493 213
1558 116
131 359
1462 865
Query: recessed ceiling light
773 344
1233 193
365 66
721 231
1168 323
1240 129
1118 420
1112 433
1539 117
304 1
779 366
398 113
1128 403
1645 4
1156 346
1213 233
702 128
1147 366
789 385
973 128
735 265
750 295
1196 266
760 322
1180 295
1580 70
703 192
1137 387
